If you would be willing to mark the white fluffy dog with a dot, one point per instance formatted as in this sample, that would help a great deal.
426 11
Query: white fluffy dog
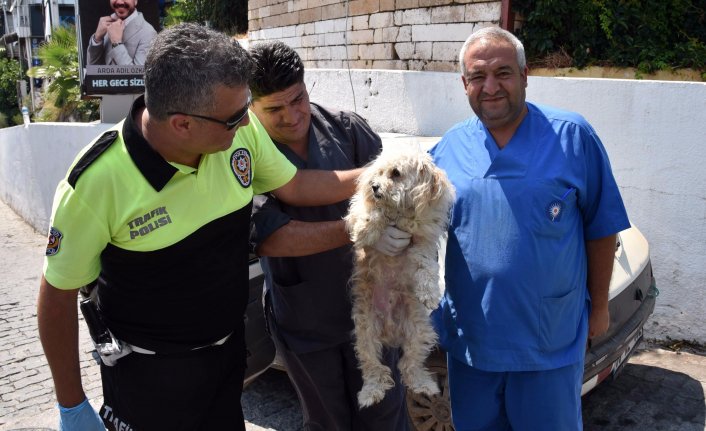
392 295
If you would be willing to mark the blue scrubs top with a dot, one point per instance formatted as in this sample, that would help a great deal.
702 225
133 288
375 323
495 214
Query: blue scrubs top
516 297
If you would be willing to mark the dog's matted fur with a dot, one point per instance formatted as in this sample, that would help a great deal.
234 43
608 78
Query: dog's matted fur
392 295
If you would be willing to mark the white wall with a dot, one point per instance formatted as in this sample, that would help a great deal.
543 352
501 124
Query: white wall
32 162
654 131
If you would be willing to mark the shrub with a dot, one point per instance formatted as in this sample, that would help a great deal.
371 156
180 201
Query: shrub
649 35
228 16
9 74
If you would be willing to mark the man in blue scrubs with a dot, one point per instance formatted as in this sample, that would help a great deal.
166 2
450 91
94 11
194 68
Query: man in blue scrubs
530 248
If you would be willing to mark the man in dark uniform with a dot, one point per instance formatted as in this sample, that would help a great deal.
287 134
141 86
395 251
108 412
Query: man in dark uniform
309 258
157 211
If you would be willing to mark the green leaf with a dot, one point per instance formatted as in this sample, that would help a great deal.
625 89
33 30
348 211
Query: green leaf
60 67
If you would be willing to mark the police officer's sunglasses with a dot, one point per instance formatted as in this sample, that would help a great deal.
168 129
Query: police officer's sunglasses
229 123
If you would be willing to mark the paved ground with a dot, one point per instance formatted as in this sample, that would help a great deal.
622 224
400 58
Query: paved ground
659 389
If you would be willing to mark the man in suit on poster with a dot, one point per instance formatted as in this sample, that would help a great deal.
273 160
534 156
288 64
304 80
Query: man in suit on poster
121 38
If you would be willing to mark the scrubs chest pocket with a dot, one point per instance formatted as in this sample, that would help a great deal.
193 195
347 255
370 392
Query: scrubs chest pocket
554 210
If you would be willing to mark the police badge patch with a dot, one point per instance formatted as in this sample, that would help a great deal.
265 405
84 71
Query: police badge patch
240 163
54 241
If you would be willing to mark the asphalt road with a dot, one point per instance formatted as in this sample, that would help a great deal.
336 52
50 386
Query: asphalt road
659 389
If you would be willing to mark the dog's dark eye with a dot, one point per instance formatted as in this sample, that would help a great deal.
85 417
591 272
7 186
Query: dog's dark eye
395 173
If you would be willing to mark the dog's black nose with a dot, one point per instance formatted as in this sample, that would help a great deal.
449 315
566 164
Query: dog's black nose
376 188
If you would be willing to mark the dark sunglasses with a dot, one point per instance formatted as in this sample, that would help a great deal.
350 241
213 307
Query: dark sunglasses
229 123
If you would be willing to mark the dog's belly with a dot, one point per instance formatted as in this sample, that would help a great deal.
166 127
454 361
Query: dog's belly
390 307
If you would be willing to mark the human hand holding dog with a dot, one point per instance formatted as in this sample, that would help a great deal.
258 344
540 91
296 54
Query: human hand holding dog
393 241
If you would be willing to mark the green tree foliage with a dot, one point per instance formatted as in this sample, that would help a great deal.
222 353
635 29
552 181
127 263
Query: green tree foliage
185 11
649 35
60 68
227 16
9 74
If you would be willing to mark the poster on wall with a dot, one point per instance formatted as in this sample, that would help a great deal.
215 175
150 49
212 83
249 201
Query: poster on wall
114 36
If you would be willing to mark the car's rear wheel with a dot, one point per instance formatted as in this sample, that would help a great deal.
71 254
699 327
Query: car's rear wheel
432 413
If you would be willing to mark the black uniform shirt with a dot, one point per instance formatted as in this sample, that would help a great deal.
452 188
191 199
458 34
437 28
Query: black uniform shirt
310 295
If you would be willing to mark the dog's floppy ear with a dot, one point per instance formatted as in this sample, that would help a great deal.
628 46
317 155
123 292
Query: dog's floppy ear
438 184
441 186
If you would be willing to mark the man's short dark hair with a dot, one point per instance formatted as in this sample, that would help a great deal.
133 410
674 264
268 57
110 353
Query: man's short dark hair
186 63
276 67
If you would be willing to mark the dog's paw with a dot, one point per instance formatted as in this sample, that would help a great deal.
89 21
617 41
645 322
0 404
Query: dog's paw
427 289
371 394
429 297
431 303
422 383
374 389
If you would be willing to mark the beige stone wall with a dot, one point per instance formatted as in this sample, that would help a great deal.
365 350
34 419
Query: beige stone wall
372 34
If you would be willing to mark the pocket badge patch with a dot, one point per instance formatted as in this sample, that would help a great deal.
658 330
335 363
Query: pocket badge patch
240 163
554 210
54 241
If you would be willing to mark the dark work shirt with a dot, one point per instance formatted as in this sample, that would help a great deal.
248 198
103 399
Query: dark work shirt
310 296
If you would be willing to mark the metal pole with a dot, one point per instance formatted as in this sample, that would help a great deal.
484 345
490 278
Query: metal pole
47 8
28 46
52 10
507 16
4 12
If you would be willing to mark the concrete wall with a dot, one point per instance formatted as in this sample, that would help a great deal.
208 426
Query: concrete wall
654 132
32 162
372 34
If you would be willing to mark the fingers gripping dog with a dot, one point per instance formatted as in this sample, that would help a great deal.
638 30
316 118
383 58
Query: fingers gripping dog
392 295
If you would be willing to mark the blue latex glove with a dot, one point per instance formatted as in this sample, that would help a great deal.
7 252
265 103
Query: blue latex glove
79 418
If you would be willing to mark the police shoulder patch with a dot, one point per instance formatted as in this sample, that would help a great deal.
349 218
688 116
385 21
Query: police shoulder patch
98 148
54 241
241 165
